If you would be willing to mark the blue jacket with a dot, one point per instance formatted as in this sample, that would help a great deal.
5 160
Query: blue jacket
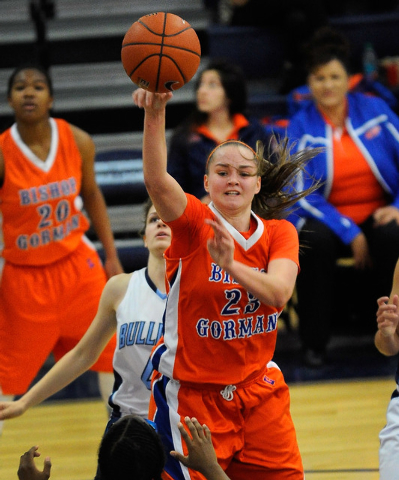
187 154
375 130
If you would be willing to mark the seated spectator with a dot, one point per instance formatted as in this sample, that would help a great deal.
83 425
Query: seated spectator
299 97
219 115
355 211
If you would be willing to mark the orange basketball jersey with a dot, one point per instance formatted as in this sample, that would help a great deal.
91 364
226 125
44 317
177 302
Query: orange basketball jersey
215 331
40 202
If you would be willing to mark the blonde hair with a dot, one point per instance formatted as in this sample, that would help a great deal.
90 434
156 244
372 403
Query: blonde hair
224 144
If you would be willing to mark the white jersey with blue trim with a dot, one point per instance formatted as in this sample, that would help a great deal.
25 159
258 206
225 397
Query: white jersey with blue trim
139 327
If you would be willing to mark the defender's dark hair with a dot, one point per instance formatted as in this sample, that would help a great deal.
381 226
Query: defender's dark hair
131 450
326 45
30 66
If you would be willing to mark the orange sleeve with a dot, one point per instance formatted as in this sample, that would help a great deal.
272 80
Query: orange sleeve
284 242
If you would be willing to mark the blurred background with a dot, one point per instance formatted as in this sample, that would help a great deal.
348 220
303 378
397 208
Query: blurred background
80 43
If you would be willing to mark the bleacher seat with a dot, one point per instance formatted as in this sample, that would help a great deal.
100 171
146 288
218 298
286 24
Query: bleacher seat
379 29
259 51
119 173
132 257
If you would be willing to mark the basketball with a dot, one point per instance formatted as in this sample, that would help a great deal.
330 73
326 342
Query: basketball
161 52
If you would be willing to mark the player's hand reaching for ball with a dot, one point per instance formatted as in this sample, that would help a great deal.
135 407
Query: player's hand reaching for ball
151 101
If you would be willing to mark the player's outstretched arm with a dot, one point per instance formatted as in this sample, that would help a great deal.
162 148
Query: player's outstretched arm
201 454
166 194
27 469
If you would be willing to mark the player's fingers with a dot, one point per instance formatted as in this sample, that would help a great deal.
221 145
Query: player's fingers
178 456
32 452
198 428
383 313
211 223
207 432
388 308
216 224
390 317
190 424
149 99
184 433
210 243
47 467
382 300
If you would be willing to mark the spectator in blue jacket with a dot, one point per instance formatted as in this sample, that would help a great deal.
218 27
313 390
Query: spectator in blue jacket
355 211
219 115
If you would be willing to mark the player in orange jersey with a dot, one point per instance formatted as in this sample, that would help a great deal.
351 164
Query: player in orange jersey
52 277
231 268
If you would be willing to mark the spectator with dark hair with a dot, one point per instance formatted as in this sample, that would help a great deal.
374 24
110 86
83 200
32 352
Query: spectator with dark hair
219 115
355 211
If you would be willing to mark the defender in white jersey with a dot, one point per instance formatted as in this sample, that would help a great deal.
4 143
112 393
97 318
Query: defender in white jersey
133 305
139 327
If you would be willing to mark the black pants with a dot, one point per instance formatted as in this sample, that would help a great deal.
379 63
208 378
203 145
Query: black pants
319 307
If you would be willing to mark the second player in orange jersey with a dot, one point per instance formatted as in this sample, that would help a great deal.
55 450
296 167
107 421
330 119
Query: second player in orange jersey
52 277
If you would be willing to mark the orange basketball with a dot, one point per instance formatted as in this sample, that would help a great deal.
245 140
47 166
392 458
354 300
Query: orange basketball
161 52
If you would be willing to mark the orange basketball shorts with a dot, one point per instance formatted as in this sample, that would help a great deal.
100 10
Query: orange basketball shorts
47 309
252 429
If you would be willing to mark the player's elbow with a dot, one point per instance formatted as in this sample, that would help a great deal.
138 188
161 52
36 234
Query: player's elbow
153 190
279 303
156 181
281 296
